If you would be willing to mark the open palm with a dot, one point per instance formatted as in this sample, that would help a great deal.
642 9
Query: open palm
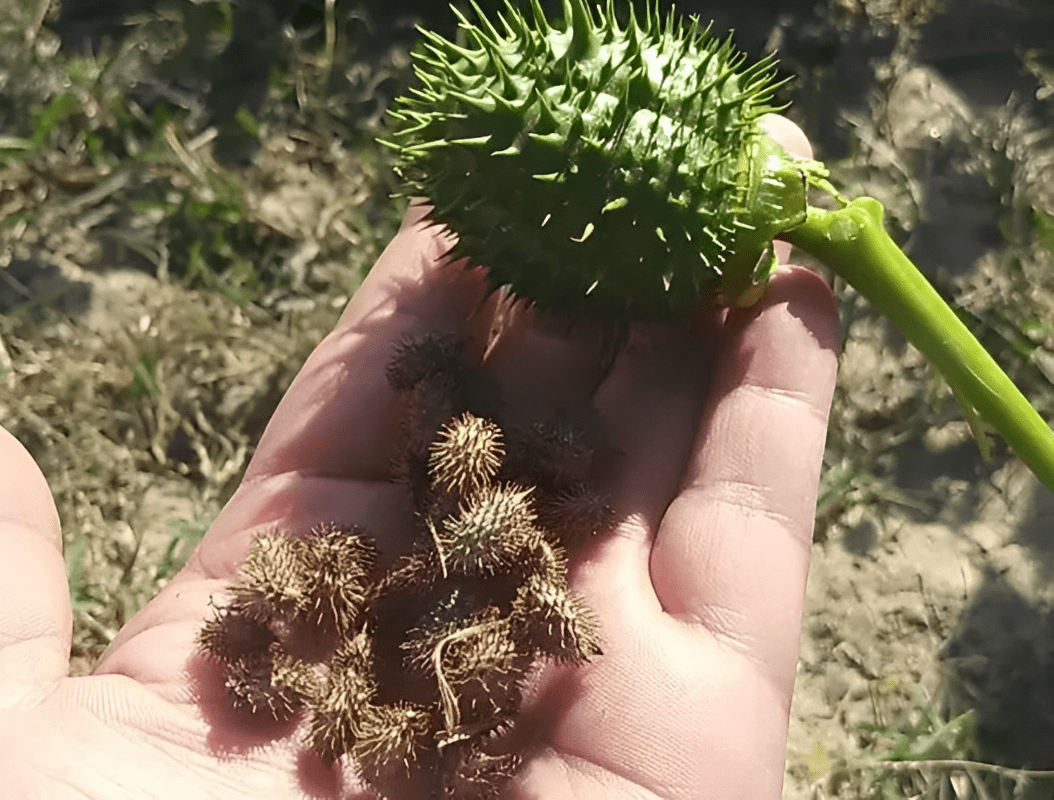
720 429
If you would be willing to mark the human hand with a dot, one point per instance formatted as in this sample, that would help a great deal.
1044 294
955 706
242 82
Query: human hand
699 589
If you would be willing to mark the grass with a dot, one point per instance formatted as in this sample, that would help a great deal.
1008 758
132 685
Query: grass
209 283
157 301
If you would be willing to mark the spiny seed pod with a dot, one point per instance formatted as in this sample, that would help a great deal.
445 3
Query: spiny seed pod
466 455
557 452
275 578
230 635
391 739
485 670
598 170
555 619
254 683
493 529
338 705
472 774
575 514
340 578
478 657
424 357
414 573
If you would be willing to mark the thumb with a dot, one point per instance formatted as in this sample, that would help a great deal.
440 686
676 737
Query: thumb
35 615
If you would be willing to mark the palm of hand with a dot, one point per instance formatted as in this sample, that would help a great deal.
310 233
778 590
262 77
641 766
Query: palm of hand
698 590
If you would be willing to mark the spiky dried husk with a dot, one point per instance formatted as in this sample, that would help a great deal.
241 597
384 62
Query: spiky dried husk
476 655
493 530
392 738
339 703
230 635
575 514
342 562
597 169
554 619
556 452
275 578
420 358
258 684
471 773
466 455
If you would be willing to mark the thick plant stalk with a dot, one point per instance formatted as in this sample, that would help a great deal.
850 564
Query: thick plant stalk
853 242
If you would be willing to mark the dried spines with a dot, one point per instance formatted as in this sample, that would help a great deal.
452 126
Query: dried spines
551 616
391 738
466 455
342 561
422 663
230 635
556 452
268 682
494 528
574 514
274 579
474 774
338 705
421 358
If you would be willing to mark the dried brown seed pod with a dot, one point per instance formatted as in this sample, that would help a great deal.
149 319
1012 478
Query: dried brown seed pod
275 578
466 455
554 619
231 635
253 684
340 580
490 533
339 703
418 358
574 514
471 773
556 452
392 739
485 670
414 573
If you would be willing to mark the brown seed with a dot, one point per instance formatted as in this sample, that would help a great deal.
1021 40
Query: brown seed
419 358
466 455
230 635
574 515
493 529
554 619
392 738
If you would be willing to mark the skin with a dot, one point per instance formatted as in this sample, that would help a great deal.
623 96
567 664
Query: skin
720 431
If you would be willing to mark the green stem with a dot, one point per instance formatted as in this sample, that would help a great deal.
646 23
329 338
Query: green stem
854 243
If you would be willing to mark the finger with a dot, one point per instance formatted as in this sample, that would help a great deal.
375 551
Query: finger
652 400
794 141
732 552
545 363
35 615
339 417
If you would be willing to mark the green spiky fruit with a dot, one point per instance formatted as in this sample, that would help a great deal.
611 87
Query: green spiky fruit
605 170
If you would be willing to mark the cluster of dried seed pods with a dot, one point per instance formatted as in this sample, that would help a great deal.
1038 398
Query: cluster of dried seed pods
415 671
